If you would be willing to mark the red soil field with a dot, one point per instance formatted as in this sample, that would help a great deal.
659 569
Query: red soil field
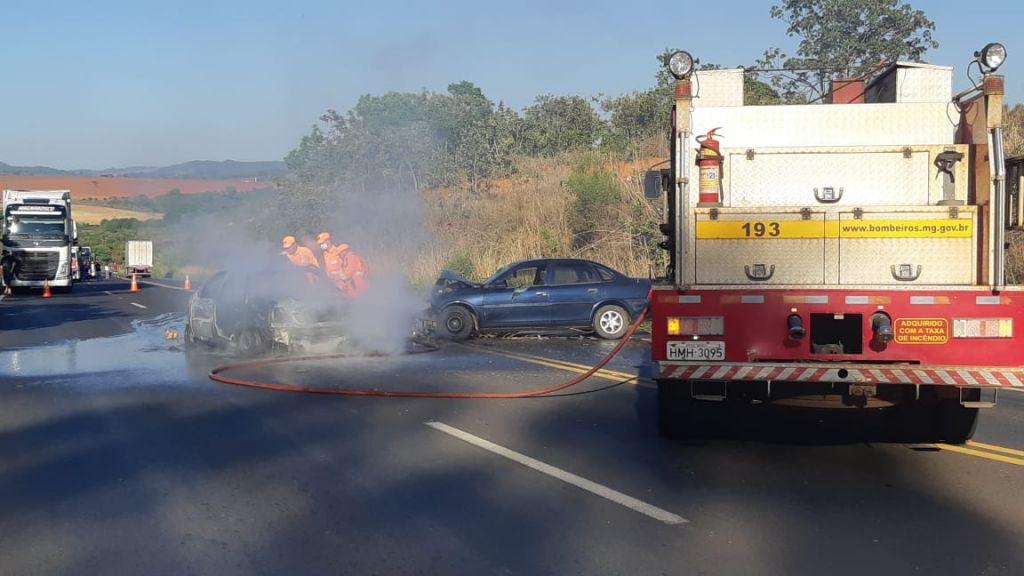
83 187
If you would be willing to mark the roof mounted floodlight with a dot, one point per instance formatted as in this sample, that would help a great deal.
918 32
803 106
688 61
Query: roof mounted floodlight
680 65
991 57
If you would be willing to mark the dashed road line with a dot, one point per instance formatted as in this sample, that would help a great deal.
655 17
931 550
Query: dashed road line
567 477
137 305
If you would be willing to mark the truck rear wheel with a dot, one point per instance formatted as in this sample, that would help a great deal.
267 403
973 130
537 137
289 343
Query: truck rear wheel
911 421
673 406
935 420
680 415
955 424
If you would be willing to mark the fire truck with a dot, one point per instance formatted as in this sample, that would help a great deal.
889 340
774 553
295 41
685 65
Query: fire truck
842 254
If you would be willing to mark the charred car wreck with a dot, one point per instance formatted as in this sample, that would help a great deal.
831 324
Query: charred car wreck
256 311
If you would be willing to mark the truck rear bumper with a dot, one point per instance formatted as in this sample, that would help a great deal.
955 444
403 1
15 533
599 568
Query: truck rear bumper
877 374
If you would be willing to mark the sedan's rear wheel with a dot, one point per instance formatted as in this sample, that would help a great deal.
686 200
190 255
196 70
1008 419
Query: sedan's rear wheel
611 322
456 323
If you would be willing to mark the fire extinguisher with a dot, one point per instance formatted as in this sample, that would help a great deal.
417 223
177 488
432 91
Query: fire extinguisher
709 162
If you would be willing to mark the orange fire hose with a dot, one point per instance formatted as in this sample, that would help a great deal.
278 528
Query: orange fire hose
217 375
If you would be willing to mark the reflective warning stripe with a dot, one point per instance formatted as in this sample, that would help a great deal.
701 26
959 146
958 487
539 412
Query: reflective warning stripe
953 376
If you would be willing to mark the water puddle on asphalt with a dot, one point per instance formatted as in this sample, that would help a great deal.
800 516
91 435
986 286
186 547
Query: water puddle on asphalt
155 344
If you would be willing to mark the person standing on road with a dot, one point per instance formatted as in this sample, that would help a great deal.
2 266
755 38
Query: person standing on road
7 264
347 269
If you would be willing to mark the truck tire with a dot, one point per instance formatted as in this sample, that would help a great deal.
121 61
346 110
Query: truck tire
456 323
682 416
954 423
672 407
911 422
611 322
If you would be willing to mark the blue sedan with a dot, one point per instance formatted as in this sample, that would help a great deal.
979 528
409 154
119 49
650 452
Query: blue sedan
546 294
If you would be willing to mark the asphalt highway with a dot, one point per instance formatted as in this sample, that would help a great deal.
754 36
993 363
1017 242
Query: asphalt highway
119 456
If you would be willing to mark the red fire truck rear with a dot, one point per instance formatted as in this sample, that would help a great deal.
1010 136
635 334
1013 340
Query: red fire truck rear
848 254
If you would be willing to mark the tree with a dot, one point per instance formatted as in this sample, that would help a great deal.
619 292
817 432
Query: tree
560 123
844 38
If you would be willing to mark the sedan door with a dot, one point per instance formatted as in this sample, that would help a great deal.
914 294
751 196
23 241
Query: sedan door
575 287
517 298
203 309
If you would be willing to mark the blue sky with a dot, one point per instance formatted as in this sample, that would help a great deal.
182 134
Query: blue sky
111 83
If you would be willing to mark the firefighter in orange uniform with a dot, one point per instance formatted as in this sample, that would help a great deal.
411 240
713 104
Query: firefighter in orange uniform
299 255
346 268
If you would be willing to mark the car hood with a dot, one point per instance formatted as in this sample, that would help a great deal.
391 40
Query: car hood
455 281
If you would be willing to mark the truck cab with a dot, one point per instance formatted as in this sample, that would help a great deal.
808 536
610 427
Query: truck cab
38 236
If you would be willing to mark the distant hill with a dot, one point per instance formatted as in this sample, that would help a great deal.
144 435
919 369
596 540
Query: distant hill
195 170
39 171
210 170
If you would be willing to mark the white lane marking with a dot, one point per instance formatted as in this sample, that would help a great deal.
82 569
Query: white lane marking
1012 389
137 305
567 477
108 292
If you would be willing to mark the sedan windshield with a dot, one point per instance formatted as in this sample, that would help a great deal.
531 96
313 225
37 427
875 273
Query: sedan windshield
501 271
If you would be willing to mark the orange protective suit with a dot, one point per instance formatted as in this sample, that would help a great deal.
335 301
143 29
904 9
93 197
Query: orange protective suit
301 257
347 269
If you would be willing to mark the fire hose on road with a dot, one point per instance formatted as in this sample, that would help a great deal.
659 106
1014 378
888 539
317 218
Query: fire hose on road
218 375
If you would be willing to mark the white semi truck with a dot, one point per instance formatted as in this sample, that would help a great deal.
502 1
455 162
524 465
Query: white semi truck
38 234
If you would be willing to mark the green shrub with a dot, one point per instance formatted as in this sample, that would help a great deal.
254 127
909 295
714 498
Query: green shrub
461 264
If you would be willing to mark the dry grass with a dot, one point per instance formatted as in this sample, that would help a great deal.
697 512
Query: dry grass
478 230
89 214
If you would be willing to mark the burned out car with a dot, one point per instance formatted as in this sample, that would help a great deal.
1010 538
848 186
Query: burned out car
539 295
254 311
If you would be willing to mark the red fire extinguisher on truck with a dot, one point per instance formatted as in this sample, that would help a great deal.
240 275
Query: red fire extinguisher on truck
709 163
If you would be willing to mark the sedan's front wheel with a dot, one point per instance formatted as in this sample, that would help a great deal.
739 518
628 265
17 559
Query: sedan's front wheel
456 323
611 322
250 341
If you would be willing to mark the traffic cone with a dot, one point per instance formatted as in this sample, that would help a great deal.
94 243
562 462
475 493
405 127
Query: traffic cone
46 288
188 283
135 285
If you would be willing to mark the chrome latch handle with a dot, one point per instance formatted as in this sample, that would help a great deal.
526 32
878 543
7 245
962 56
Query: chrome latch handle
905 272
759 272
828 194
